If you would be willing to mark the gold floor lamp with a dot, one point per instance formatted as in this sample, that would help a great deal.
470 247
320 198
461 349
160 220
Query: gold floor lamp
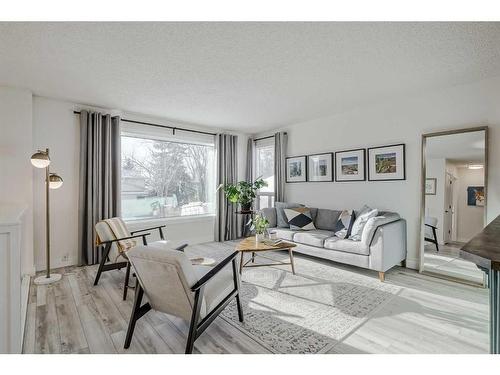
41 159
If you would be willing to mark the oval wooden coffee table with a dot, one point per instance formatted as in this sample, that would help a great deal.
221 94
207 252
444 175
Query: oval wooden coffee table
248 245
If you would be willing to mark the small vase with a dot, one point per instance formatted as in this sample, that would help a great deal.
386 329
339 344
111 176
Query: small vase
258 238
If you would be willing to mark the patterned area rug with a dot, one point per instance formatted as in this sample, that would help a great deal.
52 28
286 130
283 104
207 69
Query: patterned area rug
308 312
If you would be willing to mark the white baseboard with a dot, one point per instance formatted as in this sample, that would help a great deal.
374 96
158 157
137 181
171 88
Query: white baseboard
412 263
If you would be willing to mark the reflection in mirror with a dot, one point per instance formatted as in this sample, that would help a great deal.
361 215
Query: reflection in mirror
454 204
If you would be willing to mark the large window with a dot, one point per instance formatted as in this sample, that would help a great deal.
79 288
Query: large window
164 176
264 167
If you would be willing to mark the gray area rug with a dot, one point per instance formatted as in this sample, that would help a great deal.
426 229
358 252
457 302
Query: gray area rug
308 312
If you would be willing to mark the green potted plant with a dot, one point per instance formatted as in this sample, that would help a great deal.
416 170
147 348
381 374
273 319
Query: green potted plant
243 193
259 225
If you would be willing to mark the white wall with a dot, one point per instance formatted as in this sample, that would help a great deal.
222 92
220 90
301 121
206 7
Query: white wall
470 219
434 204
55 126
16 172
395 121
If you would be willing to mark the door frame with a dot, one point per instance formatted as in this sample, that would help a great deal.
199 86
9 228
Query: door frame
421 242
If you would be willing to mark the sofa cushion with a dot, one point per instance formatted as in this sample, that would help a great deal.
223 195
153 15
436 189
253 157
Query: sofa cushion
299 218
270 214
284 233
326 219
357 228
346 245
282 222
312 237
344 224
373 223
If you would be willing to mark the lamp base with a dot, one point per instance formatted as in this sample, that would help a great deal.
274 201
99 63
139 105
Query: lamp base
42 280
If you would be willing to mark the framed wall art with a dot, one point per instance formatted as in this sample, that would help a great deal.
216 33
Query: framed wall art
296 169
386 163
320 167
350 165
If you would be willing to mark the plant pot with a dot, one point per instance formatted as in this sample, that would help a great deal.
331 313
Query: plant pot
246 207
258 238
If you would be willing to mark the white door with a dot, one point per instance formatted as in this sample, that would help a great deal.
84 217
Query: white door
448 208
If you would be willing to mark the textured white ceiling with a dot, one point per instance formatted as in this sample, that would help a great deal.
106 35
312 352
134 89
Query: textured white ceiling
243 76
458 148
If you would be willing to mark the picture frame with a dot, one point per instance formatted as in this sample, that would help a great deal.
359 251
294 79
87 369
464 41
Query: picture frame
387 163
296 169
350 165
475 196
320 167
430 186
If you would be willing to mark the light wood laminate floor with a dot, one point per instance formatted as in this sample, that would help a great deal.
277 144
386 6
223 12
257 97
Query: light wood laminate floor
429 315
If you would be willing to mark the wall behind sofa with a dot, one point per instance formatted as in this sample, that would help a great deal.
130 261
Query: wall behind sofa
397 121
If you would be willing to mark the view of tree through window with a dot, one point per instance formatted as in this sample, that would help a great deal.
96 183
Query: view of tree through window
164 178
264 167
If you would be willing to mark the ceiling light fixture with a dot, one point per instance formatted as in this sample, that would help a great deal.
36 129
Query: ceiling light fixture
475 166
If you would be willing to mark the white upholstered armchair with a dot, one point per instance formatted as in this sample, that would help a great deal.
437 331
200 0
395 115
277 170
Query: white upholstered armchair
117 240
174 286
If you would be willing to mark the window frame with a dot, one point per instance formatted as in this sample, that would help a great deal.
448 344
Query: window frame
266 142
166 135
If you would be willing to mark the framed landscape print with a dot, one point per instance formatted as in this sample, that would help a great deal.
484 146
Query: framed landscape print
430 186
386 163
350 165
320 167
296 169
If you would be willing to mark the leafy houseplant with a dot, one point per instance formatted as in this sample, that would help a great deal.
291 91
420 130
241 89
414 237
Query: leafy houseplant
243 193
259 225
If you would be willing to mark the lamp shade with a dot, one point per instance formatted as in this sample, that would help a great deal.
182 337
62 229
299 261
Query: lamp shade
40 159
55 181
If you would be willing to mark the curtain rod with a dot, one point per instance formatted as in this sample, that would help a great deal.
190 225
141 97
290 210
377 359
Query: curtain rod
262 138
174 128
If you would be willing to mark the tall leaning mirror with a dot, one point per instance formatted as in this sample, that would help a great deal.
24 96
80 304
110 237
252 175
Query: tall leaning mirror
454 200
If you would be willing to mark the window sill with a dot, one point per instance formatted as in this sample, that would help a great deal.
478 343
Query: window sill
167 220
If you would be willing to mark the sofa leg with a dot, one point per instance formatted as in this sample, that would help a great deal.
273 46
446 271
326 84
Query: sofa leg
381 276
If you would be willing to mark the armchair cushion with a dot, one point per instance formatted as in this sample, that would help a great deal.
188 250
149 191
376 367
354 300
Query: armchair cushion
217 288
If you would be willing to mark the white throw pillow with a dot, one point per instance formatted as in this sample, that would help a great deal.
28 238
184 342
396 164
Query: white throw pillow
360 222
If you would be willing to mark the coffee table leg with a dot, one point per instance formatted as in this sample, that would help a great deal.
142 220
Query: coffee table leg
253 257
290 252
241 262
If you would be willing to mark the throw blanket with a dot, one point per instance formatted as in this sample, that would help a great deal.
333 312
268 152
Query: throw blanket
119 230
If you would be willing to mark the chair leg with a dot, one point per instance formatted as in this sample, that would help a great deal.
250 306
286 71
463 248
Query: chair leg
236 279
103 261
435 239
127 277
198 297
139 292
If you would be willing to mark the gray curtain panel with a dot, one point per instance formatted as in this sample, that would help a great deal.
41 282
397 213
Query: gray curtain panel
226 223
245 227
280 142
99 196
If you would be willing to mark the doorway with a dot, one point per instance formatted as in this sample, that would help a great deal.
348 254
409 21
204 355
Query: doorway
454 180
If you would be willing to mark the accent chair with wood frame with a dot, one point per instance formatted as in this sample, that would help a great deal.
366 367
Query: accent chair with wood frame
430 231
173 285
114 235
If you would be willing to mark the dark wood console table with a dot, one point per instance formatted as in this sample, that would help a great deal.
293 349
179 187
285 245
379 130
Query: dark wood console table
484 251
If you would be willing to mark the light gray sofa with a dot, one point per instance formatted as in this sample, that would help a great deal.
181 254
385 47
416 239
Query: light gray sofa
382 245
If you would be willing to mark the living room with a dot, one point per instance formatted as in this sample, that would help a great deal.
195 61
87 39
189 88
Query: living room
249 187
